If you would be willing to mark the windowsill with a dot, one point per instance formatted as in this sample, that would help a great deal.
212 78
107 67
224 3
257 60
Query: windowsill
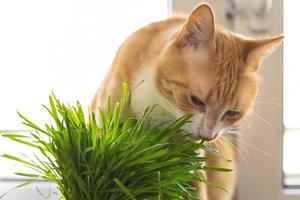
38 190
291 191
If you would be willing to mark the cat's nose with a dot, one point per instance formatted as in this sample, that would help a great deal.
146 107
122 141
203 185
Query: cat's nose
207 132
206 135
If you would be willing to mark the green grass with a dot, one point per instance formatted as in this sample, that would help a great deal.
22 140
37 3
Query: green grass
124 158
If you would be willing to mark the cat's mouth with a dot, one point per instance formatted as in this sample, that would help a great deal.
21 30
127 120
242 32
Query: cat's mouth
198 137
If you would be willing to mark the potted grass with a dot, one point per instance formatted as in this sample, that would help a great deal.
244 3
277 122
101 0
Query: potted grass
123 158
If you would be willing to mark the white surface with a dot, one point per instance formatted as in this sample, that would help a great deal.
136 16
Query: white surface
35 191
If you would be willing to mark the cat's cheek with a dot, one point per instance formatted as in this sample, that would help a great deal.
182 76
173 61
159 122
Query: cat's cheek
228 123
193 127
223 130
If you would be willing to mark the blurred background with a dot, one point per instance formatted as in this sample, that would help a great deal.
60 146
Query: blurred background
68 45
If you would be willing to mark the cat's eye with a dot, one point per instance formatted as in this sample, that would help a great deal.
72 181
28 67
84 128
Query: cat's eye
196 101
231 114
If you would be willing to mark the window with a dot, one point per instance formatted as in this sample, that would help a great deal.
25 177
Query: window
291 158
65 46
60 45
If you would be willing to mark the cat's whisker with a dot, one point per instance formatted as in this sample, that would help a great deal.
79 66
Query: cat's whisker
261 118
236 145
239 151
231 133
215 143
244 125
248 125
269 103
240 155
242 131
225 143
220 147
238 129
249 145
234 130
241 126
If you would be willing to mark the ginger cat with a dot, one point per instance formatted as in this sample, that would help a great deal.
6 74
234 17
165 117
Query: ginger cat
189 65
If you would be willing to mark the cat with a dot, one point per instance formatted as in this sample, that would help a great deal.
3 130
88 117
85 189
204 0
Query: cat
191 65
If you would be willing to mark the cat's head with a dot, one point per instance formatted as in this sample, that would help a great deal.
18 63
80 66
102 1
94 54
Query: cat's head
211 73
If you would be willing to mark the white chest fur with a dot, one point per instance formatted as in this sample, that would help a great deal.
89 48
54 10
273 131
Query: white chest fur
145 94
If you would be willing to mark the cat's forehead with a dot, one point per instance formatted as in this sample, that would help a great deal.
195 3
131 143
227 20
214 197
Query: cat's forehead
220 91
228 49
220 79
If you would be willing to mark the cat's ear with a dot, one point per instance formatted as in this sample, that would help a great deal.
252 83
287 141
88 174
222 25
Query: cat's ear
199 29
255 50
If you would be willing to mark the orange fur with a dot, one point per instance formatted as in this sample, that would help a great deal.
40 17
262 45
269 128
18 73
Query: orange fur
190 65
